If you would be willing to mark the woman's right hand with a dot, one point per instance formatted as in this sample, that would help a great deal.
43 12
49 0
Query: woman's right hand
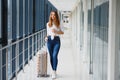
46 38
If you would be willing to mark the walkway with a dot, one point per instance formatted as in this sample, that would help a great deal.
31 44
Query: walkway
70 66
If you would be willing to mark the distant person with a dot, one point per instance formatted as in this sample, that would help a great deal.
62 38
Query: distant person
54 30
64 21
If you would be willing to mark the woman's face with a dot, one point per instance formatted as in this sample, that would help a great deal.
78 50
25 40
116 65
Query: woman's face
53 17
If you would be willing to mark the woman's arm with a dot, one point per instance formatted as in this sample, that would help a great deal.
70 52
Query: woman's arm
60 32
57 32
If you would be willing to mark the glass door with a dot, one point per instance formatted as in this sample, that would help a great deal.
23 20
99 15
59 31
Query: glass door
81 25
98 14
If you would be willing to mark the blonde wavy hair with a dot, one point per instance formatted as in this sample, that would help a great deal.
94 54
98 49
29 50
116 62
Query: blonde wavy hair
57 21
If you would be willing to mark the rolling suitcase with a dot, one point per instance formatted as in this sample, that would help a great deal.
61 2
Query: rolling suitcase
42 64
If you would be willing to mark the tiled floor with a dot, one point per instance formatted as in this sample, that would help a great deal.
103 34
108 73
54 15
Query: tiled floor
70 65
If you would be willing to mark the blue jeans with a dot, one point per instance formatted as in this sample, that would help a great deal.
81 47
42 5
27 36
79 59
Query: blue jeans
53 48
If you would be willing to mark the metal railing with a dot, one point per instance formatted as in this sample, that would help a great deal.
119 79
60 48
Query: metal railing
16 55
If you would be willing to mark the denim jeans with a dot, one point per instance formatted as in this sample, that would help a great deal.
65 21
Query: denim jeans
53 48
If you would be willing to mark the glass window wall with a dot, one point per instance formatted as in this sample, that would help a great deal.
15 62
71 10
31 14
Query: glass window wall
100 39
19 19
81 25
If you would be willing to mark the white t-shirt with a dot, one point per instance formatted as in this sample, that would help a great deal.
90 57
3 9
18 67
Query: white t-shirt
49 30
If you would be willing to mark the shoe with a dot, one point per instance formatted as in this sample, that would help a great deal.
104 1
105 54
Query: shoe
54 75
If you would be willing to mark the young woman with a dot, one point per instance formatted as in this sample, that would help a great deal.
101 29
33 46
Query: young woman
54 30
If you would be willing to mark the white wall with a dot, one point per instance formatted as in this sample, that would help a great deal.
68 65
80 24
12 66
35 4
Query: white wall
114 38
117 59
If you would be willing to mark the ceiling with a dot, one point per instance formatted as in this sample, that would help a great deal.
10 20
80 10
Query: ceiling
64 5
